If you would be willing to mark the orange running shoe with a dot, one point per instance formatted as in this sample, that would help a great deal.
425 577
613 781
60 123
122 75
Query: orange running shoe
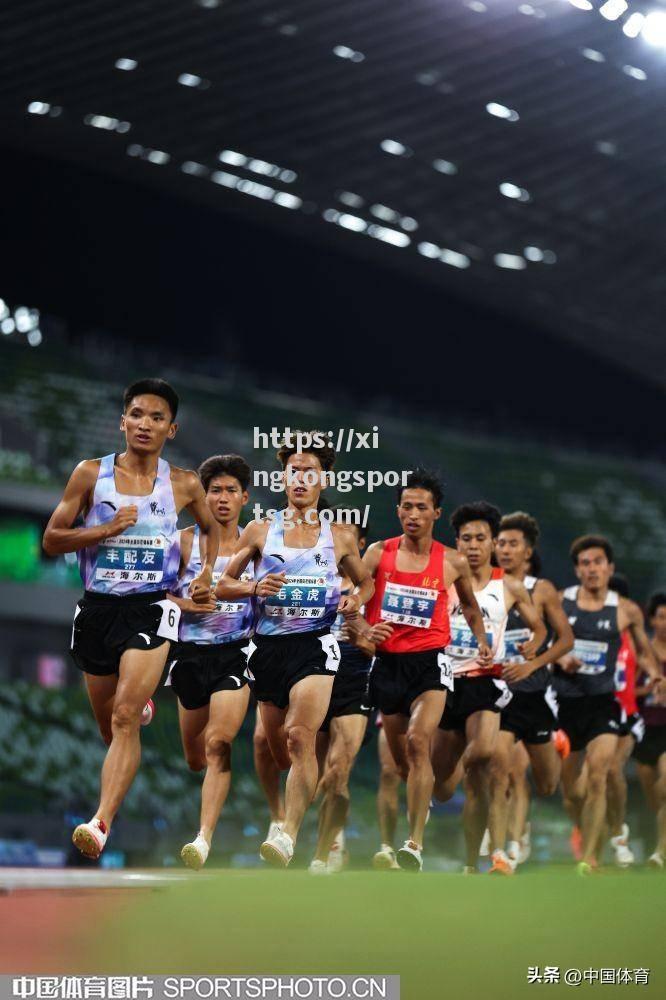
562 744
576 843
500 864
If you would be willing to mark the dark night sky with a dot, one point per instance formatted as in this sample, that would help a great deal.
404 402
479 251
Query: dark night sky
102 253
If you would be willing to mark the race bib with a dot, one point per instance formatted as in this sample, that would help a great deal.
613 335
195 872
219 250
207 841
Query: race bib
300 597
463 644
592 655
413 606
230 607
130 558
514 638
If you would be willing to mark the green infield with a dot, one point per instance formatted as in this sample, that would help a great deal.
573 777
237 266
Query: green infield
440 932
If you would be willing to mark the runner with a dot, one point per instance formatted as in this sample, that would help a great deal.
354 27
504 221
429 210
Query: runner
387 803
128 557
469 727
342 732
650 753
412 672
297 557
585 683
207 671
531 715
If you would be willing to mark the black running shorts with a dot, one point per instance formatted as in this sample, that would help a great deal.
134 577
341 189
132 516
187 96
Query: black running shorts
106 626
474 694
397 679
531 715
350 695
276 663
591 715
198 671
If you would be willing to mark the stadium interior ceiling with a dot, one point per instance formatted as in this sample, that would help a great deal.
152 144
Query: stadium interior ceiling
463 199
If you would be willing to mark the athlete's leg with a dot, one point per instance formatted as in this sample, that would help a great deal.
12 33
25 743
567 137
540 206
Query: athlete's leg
660 796
308 703
599 755
574 784
616 796
647 775
426 712
519 793
139 675
447 749
387 793
227 711
395 731
101 692
499 782
273 722
346 737
481 730
546 767
192 725
268 771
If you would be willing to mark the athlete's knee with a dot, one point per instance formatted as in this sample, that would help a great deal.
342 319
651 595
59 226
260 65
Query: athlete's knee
218 751
477 757
261 745
300 741
125 719
417 747
545 784
338 773
597 779
389 776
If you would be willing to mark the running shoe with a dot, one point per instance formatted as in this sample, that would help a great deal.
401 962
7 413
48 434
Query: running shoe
195 854
338 856
90 838
148 712
385 860
500 864
277 850
624 856
318 867
562 743
656 861
409 857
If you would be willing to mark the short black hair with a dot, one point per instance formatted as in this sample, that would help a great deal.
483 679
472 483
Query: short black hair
224 465
619 583
590 542
521 521
152 387
480 510
319 446
656 601
423 479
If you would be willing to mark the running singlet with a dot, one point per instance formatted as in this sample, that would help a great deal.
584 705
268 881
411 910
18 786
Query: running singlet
352 659
596 645
144 557
518 633
464 647
625 674
308 602
231 621
414 603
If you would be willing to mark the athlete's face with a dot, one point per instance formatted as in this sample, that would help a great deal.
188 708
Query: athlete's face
226 498
417 512
512 550
658 623
593 569
302 480
147 424
476 542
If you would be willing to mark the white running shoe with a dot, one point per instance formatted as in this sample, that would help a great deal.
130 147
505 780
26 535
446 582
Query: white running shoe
409 857
277 850
318 867
273 829
90 838
385 860
337 856
484 850
525 845
624 856
195 854
513 852
656 860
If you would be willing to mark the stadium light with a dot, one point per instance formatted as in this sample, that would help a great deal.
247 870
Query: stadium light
501 111
510 190
127 65
613 9
581 4
445 167
395 148
633 24
510 261
654 29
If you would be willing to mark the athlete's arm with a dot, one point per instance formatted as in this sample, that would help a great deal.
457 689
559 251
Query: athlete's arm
630 616
519 598
249 546
468 604
548 605
61 537
186 603
209 534
350 564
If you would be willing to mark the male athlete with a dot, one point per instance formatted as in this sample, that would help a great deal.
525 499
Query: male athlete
585 684
531 715
342 731
299 559
410 626
128 557
650 753
207 669
469 728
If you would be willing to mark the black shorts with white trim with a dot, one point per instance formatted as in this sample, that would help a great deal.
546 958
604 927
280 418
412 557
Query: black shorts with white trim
199 671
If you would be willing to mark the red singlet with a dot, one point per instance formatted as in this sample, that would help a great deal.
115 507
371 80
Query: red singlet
625 675
414 603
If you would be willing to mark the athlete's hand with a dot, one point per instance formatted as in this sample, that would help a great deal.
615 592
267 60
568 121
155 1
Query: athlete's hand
485 655
271 585
380 632
570 664
349 605
514 672
659 690
528 649
188 605
200 588
123 519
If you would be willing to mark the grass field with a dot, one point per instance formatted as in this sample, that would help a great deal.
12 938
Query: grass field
443 934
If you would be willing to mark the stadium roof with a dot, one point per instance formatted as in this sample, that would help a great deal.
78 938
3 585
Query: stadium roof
513 152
